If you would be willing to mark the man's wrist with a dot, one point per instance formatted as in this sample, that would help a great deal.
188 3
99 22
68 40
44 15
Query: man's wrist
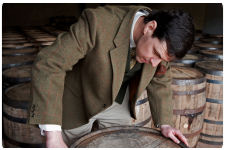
53 134
164 126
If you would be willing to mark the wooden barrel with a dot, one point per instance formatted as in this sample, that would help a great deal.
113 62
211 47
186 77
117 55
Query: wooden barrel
212 134
212 54
213 35
52 30
19 52
142 110
14 41
193 50
46 43
14 61
212 40
17 75
125 137
188 86
15 112
16 45
45 39
13 37
188 60
208 46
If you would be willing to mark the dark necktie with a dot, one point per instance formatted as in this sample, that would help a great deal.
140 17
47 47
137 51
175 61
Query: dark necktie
133 57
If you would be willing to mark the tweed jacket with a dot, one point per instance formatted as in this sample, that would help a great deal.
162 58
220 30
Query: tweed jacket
80 74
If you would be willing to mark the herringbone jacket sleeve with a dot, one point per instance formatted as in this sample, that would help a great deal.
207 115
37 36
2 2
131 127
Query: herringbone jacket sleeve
51 64
160 96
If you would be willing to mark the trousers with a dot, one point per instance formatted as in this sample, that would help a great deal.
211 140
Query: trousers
115 115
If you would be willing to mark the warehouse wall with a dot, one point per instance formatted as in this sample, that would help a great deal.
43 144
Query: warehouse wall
213 19
39 14
36 14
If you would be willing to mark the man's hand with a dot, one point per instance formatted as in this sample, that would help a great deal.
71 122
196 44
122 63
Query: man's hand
173 133
54 139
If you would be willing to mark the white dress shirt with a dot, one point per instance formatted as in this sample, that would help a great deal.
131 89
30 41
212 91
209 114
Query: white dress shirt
54 127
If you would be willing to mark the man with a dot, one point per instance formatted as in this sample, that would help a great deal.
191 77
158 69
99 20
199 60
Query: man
87 74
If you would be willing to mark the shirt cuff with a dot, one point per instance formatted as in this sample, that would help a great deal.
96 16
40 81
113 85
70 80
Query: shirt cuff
49 127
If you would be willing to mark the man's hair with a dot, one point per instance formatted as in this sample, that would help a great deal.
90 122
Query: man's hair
176 28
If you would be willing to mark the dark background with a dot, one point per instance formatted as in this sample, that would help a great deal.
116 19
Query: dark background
207 17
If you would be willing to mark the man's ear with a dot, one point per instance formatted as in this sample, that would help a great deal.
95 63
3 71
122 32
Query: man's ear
150 27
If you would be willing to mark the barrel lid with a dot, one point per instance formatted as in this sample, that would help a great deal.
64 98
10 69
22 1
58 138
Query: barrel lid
209 46
17 52
212 53
14 41
16 45
193 50
191 57
186 76
45 39
211 67
13 61
17 59
13 38
125 137
46 43
187 60
18 72
20 92
212 40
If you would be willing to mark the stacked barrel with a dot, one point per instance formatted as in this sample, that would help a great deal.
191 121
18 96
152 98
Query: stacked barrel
212 134
19 49
188 86
198 92
205 47
211 49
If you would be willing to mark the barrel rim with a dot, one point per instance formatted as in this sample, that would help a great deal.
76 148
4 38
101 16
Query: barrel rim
212 72
208 48
186 61
14 41
20 53
210 142
187 81
143 123
21 144
18 47
219 56
7 66
194 92
117 128
207 40
15 80
14 103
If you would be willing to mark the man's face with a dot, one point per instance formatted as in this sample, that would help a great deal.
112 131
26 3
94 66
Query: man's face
151 50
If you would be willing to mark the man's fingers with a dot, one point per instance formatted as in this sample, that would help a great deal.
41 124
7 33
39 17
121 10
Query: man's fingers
173 137
181 136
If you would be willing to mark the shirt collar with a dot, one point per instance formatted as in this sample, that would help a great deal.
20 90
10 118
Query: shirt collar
136 17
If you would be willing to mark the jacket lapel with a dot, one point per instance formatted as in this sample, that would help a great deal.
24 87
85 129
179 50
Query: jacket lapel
119 54
118 59
147 74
